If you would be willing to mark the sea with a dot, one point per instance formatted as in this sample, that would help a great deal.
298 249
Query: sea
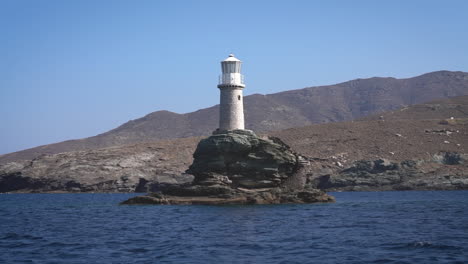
361 227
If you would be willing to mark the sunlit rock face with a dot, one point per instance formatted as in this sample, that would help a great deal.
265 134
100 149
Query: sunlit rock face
240 158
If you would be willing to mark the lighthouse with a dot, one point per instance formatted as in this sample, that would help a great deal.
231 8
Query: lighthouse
231 84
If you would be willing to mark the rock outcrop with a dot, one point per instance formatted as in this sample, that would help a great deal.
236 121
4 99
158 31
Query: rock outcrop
238 167
140 167
446 171
242 159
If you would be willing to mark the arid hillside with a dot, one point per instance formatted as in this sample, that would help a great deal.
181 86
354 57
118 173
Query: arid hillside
447 108
272 112
414 132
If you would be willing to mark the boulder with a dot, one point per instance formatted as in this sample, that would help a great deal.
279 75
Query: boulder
240 158
449 158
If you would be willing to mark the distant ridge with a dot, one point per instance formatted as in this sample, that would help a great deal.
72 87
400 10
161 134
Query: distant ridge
294 108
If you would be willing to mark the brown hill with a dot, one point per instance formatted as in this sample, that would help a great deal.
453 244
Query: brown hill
295 108
414 132
455 107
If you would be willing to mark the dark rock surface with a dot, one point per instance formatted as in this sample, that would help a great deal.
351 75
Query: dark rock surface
237 197
238 167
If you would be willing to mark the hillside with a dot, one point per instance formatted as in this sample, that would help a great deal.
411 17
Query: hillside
413 132
455 107
425 138
295 108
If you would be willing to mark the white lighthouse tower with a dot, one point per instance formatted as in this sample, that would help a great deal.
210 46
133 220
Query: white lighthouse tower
231 84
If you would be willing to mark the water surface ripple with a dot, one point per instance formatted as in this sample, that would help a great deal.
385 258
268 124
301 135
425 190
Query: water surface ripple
362 227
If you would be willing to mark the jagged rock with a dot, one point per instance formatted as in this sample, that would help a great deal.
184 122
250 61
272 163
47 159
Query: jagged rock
367 166
238 167
384 175
381 165
242 159
364 174
449 158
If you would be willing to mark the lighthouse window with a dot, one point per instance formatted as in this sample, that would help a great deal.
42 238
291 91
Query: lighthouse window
238 97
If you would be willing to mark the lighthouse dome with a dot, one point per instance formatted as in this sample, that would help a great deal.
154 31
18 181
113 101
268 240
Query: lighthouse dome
231 58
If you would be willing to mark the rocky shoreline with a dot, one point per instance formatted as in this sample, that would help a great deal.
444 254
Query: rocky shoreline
447 171
437 173
327 175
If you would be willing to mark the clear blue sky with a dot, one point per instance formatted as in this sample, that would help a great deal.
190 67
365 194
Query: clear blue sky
73 69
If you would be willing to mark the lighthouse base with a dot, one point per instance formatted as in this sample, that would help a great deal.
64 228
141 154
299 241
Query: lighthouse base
238 167
219 131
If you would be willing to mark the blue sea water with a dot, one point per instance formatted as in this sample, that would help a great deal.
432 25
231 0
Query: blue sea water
361 227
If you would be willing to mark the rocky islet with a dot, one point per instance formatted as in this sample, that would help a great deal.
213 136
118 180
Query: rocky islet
238 167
